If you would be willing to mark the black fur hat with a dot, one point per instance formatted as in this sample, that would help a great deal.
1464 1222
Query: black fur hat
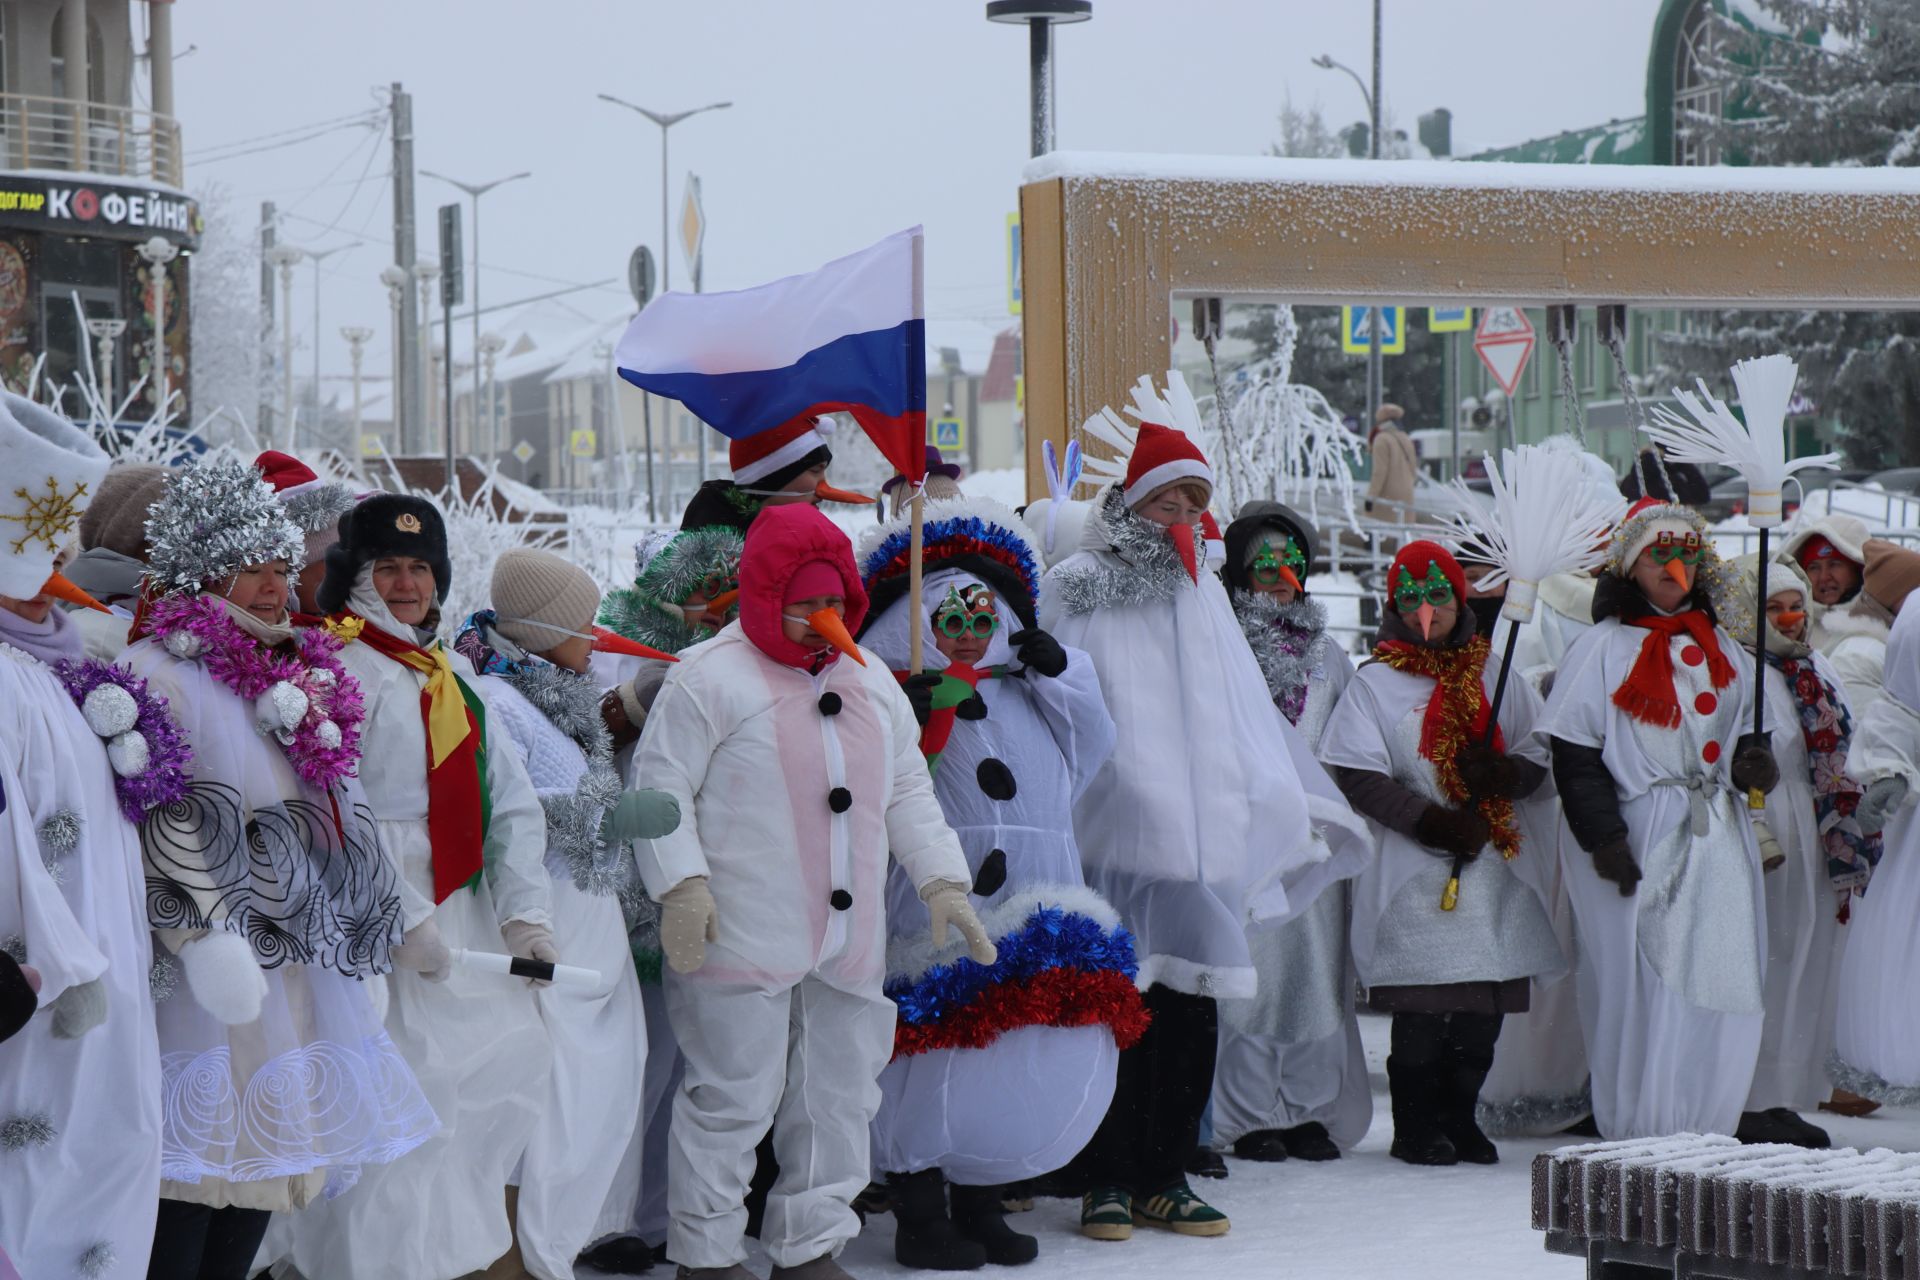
387 524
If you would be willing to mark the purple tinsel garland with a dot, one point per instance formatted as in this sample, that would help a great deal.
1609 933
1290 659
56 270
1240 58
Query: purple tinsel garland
247 667
169 758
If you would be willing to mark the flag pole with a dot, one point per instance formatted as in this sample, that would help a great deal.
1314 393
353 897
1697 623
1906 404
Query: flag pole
915 542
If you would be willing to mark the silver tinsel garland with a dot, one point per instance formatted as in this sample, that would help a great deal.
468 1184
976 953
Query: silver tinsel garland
1150 571
216 518
59 836
163 979
22 1132
319 509
1284 671
15 946
98 1259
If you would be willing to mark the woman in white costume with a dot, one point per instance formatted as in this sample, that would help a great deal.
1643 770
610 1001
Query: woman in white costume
80 1083
463 826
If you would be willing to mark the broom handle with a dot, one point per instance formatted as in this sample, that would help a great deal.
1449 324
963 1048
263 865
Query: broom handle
1757 800
1451 896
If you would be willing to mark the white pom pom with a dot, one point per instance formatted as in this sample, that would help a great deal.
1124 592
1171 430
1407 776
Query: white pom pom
281 708
128 754
110 711
183 644
224 977
320 678
328 733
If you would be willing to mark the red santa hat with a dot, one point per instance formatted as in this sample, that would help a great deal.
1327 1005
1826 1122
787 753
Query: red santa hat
1646 521
1216 542
759 456
314 504
1418 558
1161 456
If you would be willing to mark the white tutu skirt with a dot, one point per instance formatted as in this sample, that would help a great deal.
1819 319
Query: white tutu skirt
1023 1106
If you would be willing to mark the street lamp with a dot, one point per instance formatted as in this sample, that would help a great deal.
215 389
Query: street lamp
666 120
395 278
314 256
158 252
357 337
285 256
1326 63
474 191
1040 17
106 333
425 272
490 345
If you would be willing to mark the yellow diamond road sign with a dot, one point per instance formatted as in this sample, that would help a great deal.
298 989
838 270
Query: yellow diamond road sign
693 224
584 443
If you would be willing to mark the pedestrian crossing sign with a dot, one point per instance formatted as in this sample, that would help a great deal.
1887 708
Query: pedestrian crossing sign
1355 340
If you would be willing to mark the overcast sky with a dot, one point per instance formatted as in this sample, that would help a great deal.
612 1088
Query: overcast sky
851 118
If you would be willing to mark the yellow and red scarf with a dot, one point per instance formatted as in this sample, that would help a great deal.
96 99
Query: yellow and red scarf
1456 716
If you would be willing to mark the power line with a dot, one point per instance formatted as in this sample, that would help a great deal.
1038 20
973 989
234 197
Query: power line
366 121
356 117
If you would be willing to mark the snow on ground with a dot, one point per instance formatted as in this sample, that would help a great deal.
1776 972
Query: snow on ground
1364 1217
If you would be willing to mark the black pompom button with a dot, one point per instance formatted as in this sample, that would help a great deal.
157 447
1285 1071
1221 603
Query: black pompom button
829 704
974 708
992 874
840 900
839 799
996 779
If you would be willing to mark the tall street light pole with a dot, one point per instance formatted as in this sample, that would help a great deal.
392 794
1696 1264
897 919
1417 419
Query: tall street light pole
666 120
314 256
1040 17
1375 372
474 191
284 256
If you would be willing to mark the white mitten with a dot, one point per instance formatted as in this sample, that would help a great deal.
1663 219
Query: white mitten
422 951
947 904
530 941
79 1009
224 977
688 922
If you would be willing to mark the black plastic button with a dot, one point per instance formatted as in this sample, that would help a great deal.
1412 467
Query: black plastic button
840 900
839 799
996 779
992 874
829 704
974 708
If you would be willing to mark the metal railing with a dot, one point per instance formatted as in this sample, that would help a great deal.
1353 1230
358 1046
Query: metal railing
89 137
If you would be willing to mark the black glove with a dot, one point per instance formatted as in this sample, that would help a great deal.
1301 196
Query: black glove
1452 832
919 690
1614 861
1487 772
1039 651
1754 768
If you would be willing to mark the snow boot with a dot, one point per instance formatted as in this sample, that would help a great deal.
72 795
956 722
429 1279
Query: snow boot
925 1238
620 1256
1106 1213
1205 1162
734 1272
979 1212
1267 1146
1414 1070
1470 1041
1017 1197
1811 1135
1178 1210
1310 1141
1780 1125
821 1268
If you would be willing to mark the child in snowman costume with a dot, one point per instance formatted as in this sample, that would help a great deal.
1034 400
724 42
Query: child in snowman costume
1451 922
1650 725
794 759
999 1074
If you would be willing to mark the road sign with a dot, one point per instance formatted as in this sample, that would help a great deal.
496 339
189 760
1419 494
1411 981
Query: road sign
693 228
948 435
452 261
1013 264
524 452
1355 340
582 443
1449 319
371 446
1504 342
640 276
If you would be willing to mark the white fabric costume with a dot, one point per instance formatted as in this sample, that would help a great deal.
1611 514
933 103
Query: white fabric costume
745 746
475 1041
1027 1103
1854 638
1669 979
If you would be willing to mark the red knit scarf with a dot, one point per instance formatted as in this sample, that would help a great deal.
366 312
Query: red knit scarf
1456 717
1647 693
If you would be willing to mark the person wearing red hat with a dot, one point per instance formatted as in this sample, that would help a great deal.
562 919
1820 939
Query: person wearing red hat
1452 920
1650 727
795 762
315 505
773 468
1202 819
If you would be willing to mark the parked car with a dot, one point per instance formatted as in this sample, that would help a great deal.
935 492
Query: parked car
1898 480
1730 493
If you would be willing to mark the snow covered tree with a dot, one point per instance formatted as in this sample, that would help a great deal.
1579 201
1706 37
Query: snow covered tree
225 320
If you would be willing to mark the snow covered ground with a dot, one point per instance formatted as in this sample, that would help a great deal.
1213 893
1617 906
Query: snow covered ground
1363 1217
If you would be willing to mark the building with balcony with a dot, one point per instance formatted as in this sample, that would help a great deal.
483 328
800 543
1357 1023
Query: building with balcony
96 231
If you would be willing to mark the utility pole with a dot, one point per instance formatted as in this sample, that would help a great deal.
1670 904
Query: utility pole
410 393
1375 374
265 416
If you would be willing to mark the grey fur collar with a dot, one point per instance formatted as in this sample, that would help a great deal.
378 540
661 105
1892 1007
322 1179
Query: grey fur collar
1862 616
1261 621
1148 569
571 703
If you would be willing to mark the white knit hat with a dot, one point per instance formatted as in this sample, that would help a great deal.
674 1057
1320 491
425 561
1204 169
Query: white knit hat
1648 519
539 600
50 471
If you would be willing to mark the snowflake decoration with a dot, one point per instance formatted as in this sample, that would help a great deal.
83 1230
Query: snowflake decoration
48 519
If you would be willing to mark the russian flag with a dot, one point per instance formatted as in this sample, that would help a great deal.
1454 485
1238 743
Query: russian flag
850 337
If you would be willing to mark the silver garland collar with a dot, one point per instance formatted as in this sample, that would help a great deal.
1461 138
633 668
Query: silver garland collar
1149 570
1265 623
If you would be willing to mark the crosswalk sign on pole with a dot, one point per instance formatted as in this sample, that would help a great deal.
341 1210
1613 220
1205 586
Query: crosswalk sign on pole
1449 319
948 435
1356 341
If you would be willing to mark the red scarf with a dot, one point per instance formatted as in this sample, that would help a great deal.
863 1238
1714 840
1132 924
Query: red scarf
1456 715
1647 693
458 806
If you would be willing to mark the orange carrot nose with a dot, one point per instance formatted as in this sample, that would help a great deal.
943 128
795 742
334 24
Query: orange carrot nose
60 587
605 641
1425 614
827 493
1678 573
1788 619
1286 576
1182 535
719 605
829 625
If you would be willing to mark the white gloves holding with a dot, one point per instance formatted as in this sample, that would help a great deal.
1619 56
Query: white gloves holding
530 941
688 922
422 951
1882 800
947 904
224 977
78 1010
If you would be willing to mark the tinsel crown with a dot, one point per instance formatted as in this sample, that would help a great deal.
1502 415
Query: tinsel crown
216 518
964 526
680 567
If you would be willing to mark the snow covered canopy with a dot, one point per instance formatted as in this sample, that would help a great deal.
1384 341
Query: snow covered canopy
1113 244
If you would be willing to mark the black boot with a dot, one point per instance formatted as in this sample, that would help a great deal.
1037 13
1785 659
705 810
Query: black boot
1268 1146
1470 1041
924 1236
1310 1141
1205 1162
1413 1069
979 1213
620 1256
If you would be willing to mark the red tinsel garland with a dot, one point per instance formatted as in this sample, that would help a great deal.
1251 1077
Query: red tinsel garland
1055 998
1456 715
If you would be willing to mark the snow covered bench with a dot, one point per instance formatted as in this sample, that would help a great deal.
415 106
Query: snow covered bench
1703 1205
